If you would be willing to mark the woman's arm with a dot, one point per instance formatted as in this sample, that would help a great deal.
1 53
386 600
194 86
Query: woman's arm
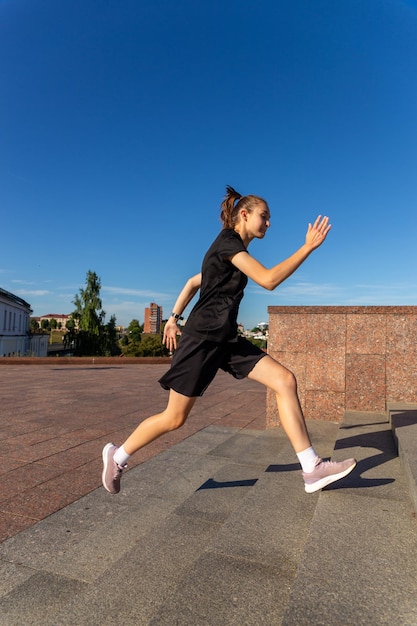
271 278
188 292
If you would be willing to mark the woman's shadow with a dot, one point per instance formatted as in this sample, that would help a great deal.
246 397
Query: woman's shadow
380 440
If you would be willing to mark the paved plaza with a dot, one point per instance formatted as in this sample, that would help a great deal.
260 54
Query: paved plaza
55 420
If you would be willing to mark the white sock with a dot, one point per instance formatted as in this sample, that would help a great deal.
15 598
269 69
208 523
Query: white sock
121 456
307 459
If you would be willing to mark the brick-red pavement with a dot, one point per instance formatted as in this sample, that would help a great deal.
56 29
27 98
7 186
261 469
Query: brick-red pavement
55 419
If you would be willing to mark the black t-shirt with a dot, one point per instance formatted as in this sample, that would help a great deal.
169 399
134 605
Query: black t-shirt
214 317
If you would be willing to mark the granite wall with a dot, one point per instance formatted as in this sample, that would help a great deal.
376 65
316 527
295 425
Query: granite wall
345 358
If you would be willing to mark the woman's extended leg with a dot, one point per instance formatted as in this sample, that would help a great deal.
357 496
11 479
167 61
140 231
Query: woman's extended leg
316 473
174 416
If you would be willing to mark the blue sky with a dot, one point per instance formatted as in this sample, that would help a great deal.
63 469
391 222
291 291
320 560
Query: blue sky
122 121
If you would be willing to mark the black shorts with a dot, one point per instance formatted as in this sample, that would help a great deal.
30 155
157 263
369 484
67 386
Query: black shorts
196 362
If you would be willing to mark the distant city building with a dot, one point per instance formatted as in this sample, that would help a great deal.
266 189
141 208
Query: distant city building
60 318
15 338
153 319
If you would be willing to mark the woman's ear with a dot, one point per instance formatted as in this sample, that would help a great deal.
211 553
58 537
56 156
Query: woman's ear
244 214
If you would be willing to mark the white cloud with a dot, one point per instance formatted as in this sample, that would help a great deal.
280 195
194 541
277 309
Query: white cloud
301 289
310 289
35 293
306 293
126 291
126 311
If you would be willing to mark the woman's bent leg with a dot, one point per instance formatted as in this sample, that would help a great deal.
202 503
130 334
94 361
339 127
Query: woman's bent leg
275 376
316 473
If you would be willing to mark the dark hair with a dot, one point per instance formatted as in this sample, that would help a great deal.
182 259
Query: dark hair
233 202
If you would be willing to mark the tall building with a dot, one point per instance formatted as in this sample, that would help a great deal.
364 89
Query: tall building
153 319
15 336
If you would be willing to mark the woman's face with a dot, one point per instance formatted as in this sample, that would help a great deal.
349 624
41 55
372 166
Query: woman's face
259 220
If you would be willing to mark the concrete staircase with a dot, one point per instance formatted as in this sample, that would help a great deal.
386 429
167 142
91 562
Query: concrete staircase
359 565
218 530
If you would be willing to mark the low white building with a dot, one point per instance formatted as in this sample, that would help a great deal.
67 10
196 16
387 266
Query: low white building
15 338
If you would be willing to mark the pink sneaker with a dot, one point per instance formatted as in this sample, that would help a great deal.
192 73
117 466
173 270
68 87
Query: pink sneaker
325 473
112 473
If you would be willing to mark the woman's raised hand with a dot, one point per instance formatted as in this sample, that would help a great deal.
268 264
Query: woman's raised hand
317 232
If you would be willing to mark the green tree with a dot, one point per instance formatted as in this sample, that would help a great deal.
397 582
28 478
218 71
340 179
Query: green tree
88 304
70 325
90 335
111 345
135 331
53 324
70 334
151 345
34 325
130 342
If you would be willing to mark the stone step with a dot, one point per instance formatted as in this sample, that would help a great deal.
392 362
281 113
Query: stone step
403 420
209 532
359 565
218 530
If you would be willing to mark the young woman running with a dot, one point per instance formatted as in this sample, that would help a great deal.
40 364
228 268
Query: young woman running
210 341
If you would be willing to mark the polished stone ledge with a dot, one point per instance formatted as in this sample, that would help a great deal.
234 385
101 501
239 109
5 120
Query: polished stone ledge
355 358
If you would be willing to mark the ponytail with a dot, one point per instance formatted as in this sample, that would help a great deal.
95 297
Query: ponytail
228 212
232 203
